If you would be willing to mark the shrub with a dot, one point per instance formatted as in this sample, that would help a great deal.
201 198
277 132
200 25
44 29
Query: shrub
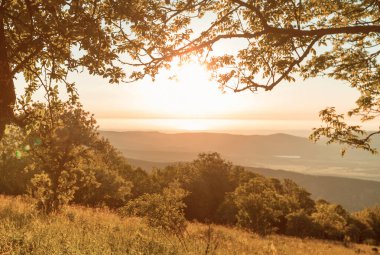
260 207
301 224
161 210
332 218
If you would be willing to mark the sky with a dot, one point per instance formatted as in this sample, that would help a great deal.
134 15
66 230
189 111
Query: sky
193 102
195 96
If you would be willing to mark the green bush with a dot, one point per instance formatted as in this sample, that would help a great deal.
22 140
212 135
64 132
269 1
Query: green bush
332 218
260 207
302 225
370 217
161 210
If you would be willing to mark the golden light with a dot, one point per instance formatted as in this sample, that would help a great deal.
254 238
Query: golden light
191 94
190 125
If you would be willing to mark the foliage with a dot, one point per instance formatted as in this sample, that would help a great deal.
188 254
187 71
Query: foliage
62 157
371 218
227 194
260 207
332 218
164 211
338 131
298 198
276 42
281 41
111 189
208 179
13 178
45 41
301 224
60 137
142 181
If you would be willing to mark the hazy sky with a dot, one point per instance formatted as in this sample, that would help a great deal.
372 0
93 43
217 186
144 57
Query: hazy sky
194 96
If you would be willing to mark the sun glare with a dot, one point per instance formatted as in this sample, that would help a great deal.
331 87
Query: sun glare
190 94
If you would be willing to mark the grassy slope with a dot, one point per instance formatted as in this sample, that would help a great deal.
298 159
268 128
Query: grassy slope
89 231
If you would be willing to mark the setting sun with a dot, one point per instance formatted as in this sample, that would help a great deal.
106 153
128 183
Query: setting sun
190 93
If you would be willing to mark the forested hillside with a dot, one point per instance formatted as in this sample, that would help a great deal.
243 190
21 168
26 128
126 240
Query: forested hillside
56 169
352 194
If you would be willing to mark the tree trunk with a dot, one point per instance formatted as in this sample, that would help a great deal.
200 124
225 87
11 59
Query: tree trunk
7 88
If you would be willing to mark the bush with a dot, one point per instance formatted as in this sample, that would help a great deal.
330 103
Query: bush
332 218
163 211
260 207
301 224
370 217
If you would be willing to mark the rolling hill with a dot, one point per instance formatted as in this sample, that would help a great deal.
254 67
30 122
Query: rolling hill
278 151
315 165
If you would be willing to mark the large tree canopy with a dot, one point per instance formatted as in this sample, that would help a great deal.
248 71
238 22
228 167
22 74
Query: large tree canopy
282 40
45 40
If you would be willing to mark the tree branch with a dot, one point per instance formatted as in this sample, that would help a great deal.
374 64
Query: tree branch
324 31
285 74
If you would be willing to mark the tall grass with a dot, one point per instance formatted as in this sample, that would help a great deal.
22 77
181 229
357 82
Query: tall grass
79 230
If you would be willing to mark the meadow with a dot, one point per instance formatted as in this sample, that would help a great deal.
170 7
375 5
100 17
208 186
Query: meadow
79 230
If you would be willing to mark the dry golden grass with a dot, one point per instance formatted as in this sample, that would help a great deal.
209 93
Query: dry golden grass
80 230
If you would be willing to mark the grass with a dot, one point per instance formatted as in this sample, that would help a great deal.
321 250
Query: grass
79 230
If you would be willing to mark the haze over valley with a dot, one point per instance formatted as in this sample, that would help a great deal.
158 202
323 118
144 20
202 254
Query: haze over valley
352 181
276 151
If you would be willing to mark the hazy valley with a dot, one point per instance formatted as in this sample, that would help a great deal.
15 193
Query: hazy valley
317 167
277 151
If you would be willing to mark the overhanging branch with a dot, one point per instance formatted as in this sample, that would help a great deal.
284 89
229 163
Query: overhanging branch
285 74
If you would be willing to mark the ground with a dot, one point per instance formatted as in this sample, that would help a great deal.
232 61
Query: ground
79 230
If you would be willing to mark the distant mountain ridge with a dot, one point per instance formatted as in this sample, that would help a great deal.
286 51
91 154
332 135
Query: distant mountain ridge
312 166
277 151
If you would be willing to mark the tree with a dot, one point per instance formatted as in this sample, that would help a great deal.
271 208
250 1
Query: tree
60 139
281 41
112 188
68 158
207 179
332 219
259 207
371 217
163 210
299 199
59 157
46 40
301 224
